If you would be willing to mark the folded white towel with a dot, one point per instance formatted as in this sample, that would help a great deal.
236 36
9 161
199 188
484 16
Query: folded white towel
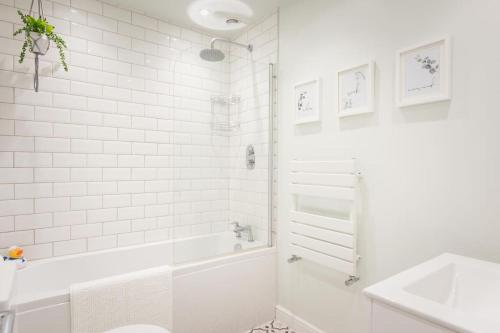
143 297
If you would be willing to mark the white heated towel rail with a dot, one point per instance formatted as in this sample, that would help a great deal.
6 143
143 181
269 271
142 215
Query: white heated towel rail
325 240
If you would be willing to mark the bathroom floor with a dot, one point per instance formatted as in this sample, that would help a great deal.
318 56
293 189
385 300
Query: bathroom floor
272 327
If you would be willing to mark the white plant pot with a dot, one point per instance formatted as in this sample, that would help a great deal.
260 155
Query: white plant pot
41 43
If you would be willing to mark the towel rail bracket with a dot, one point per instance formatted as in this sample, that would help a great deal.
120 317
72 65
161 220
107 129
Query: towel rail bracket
294 258
352 280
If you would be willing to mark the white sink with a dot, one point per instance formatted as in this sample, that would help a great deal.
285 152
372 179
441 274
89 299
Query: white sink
458 293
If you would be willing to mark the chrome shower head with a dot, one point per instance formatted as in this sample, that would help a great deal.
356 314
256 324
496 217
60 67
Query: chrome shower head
212 55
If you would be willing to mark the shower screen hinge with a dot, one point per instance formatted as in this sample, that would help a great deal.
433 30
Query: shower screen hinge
293 258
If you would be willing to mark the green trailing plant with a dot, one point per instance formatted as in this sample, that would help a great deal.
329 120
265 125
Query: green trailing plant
41 26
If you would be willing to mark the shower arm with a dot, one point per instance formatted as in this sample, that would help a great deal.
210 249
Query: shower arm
249 47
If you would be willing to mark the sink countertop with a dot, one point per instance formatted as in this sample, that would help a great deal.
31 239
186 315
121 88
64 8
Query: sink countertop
455 292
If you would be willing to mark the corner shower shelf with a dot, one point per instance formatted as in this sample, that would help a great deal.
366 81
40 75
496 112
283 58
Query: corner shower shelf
225 112
323 239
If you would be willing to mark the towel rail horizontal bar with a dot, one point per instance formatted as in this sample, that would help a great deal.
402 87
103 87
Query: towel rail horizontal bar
340 225
347 166
323 259
340 193
324 235
324 247
340 180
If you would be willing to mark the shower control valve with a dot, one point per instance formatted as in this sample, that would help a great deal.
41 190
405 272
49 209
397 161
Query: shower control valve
250 157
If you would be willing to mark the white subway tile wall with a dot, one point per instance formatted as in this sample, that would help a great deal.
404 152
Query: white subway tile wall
119 150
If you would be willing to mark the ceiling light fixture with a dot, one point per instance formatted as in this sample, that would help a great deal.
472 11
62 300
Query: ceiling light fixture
221 15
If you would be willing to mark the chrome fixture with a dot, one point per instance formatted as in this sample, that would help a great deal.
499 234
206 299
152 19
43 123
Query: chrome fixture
250 157
7 321
270 155
293 259
352 280
239 230
214 55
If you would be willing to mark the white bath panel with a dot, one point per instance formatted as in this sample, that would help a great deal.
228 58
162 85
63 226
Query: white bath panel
296 323
222 298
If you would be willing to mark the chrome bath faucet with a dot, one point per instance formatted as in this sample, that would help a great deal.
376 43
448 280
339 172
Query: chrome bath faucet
246 229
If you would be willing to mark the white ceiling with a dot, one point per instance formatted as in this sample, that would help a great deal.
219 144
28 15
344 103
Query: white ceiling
175 12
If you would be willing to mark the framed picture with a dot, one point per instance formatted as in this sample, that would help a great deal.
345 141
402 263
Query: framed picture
307 102
356 90
423 73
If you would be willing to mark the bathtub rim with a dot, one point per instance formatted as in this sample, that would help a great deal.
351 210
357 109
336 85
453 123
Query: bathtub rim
37 262
56 297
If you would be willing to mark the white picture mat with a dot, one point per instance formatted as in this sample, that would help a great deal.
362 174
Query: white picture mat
308 92
414 85
360 77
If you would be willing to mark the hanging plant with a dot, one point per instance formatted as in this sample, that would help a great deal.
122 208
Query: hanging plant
38 34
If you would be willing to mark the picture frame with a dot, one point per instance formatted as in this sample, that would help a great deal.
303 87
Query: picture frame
307 102
423 73
356 90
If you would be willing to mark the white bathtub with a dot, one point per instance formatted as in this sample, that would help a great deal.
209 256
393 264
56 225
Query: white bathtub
223 294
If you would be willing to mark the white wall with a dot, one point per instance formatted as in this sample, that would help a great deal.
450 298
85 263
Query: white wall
106 154
431 181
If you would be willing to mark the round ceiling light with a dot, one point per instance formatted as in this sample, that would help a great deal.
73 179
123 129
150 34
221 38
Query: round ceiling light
220 14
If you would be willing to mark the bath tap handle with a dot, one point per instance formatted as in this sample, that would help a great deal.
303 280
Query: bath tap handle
237 229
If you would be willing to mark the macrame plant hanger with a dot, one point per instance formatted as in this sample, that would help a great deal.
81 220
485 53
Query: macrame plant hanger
40 42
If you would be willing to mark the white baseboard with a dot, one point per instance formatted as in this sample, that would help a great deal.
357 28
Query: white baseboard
294 322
